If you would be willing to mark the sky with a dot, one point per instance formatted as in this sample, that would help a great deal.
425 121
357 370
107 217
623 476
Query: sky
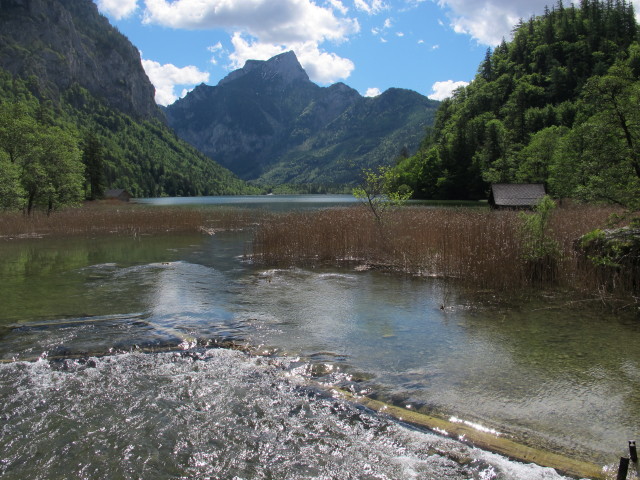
430 46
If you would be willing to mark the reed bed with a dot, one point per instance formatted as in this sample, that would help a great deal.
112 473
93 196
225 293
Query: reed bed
477 247
109 218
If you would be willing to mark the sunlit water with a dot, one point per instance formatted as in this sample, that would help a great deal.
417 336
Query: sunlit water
79 399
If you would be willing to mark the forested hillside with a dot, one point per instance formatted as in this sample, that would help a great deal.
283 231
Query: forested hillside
558 104
77 114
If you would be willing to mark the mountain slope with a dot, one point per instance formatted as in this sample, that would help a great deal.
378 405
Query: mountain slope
65 42
65 57
556 105
269 122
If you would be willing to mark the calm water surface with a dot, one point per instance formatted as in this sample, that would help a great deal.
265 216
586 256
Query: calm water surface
80 400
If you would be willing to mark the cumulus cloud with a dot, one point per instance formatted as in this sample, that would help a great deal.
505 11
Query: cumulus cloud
372 8
490 21
339 6
251 50
321 66
264 28
118 8
167 77
216 50
372 92
278 22
442 90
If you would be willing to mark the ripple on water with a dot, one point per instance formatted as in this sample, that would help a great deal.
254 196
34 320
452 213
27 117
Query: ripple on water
216 413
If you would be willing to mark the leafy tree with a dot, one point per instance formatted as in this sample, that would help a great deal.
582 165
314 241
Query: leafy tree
539 250
11 192
378 192
43 159
52 173
600 159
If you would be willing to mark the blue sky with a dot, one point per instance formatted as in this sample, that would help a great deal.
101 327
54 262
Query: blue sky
371 45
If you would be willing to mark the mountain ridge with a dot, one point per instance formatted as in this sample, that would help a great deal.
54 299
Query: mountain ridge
269 123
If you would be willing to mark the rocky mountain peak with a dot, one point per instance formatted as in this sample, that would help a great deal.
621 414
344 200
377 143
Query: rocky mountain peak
284 68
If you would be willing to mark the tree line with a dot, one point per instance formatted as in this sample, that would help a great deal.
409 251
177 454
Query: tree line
558 104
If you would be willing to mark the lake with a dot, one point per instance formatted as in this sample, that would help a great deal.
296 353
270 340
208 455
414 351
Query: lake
109 367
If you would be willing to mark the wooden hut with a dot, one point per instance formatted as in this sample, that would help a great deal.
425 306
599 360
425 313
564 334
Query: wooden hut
118 194
516 195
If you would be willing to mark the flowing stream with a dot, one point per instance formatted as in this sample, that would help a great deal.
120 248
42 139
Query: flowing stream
110 368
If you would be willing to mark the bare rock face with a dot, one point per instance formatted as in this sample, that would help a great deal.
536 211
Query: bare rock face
61 44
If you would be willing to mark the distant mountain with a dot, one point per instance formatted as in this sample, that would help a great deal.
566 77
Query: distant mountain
268 122
63 59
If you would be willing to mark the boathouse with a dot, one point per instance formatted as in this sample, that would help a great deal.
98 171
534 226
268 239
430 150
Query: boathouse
118 194
516 195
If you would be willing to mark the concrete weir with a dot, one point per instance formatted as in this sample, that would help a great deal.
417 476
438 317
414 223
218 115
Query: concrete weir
481 439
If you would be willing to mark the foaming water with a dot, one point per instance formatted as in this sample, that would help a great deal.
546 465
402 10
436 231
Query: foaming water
211 414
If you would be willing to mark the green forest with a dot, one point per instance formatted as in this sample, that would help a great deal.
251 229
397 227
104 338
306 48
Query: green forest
558 104
58 153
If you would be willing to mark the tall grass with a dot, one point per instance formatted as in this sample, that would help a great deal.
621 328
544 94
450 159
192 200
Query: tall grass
478 247
106 218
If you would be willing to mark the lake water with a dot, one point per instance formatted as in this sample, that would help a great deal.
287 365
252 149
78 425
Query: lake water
109 368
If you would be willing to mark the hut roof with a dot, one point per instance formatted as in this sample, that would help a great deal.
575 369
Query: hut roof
119 193
513 195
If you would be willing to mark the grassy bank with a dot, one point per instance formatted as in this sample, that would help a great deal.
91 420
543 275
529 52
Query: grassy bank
117 218
480 248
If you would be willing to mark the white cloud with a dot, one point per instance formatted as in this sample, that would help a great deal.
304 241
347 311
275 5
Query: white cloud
489 21
322 67
216 50
264 28
246 50
278 22
400 34
387 23
372 92
442 90
167 77
339 6
118 8
372 8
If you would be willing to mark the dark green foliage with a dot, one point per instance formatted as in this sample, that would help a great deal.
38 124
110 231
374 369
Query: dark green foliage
144 157
40 159
93 159
555 105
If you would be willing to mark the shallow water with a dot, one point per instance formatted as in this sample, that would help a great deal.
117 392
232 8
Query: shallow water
565 377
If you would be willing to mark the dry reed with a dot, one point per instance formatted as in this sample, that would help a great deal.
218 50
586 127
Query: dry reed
478 247
105 218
